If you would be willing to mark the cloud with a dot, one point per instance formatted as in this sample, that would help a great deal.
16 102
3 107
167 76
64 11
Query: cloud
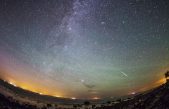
87 85
90 86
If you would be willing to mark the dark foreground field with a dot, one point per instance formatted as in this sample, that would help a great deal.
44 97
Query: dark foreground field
157 98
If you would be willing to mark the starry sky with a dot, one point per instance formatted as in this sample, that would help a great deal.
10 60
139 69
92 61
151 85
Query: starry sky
84 48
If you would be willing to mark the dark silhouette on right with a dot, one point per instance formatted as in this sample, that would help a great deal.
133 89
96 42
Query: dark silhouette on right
167 77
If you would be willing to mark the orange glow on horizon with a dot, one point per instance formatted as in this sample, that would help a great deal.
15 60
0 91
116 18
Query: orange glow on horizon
34 89
161 81
153 85
45 92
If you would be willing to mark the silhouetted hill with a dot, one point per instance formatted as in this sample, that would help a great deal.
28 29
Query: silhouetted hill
158 98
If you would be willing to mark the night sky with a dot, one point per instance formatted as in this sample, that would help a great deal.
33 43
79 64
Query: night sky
84 48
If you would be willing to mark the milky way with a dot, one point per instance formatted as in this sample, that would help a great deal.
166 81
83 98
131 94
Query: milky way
84 48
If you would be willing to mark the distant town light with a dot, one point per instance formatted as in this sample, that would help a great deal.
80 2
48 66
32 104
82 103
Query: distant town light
73 98
12 84
4 80
58 96
96 98
133 93
41 93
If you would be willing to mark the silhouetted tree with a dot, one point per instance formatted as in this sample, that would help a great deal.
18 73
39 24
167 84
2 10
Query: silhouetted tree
167 74
108 102
74 106
86 103
167 77
56 105
49 105
93 106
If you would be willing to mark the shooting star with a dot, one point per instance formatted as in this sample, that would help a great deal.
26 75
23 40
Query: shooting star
124 74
